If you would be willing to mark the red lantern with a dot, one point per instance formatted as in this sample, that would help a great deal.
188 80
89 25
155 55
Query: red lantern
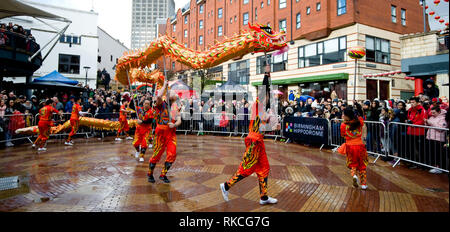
426 7
406 78
431 13
446 24
445 0
437 2
441 21
413 78
437 17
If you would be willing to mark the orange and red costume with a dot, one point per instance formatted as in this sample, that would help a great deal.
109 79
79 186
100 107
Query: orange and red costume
254 159
44 125
164 139
355 150
143 130
123 121
74 120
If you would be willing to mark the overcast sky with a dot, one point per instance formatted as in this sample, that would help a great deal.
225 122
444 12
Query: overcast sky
115 15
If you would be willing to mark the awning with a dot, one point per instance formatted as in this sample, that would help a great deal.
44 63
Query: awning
426 65
298 80
55 77
9 8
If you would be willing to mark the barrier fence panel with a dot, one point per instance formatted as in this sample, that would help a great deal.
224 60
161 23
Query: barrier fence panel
375 135
186 122
219 123
242 123
421 145
10 123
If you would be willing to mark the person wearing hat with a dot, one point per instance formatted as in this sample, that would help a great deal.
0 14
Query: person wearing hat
291 95
45 123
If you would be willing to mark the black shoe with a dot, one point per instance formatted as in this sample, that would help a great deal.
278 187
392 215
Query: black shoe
151 179
164 178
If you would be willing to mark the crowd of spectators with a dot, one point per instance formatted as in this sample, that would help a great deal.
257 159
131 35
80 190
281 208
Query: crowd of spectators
16 35
405 141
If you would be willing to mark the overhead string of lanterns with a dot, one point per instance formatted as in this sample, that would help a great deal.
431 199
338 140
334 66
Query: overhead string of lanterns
432 12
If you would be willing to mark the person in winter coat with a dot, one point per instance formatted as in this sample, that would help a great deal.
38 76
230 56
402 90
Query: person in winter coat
435 139
416 135
430 89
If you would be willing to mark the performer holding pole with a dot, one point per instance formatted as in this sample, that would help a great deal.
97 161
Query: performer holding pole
123 121
143 129
255 157
74 120
45 123
354 148
165 134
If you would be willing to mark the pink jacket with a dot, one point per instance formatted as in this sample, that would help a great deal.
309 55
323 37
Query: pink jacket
439 121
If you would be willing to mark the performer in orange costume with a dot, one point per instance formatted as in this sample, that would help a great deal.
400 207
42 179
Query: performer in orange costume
45 123
74 121
354 148
123 120
255 157
165 135
143 130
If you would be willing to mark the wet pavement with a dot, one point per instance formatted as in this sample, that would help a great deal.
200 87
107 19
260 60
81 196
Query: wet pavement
102 175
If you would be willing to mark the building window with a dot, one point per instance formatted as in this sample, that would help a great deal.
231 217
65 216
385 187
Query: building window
231 20
185 45
318 6
231 1
173 65
239 72
321 53
245 18
245 2
111 58
201 9
378 50
69 64
268 2
99 59
200 39
256 13
219 31
70 39
235 18
219 13
262 5
185 34
174 28
282 25
277 63
185 19
308 10
200 24
403 11
394 14
298 21
341 7
282 4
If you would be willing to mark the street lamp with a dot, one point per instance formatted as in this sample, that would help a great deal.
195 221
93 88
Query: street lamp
87 69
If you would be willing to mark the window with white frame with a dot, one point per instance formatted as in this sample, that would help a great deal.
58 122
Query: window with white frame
341 7
403 16
200 40
200 24
324 52
245 18
393 14
219 31
298 21
378 50
282 4
220 13
185 33
282 25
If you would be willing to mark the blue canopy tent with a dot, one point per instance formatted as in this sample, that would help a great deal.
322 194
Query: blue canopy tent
55 77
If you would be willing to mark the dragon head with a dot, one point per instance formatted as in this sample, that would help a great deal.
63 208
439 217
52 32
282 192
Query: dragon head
267 40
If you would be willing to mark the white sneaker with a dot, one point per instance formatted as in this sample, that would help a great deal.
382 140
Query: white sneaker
129 138
9 144
68 143
118 139
141 159
33 146
269 200
435 171
224 192
136 155
355 181
42 149
364 187
150 146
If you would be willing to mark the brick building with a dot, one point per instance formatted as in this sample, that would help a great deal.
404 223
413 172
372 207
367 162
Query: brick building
319 31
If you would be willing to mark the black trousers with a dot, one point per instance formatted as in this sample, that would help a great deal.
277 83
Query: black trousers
415 148
436 154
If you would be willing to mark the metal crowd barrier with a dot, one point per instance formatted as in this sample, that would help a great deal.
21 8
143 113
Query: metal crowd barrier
375 134
421 145
215 123
105 116
10 123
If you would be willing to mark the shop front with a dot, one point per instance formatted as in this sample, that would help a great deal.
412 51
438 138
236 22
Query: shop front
320 86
